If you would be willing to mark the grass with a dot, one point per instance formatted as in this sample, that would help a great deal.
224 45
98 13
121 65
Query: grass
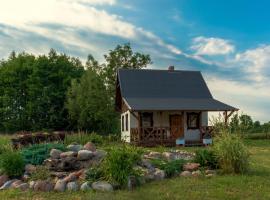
254 185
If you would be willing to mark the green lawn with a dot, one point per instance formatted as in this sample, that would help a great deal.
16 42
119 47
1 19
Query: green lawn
255 185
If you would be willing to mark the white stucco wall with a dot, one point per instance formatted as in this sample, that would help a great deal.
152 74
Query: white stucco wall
162 119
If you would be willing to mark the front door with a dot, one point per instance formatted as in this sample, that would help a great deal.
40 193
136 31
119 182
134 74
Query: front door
176 126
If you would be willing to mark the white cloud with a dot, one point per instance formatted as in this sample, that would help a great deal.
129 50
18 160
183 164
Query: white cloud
211 46
256 62
72 16
251 98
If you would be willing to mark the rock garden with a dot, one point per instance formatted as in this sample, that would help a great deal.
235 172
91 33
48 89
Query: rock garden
85 164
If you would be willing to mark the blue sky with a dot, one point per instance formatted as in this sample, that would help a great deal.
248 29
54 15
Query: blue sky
227 40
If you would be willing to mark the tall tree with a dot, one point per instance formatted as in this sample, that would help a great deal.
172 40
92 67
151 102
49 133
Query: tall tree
48 84
89 105
14 92
122 57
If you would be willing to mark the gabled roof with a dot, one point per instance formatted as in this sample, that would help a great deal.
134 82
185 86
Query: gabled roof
166 90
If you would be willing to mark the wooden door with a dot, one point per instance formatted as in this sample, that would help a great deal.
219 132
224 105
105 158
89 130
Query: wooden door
176 126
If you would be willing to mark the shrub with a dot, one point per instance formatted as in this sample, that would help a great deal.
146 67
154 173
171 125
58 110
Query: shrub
37 153
94 174
83 138
206 158
5 144
12 163
232 154
118 164
42 173
170 168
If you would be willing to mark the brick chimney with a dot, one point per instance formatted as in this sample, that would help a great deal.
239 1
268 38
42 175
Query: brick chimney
171 68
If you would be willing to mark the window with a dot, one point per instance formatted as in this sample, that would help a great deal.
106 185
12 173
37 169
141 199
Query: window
123 123
193 120
147 119
126 122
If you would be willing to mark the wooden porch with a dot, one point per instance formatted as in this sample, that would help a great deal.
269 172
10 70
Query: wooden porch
154 136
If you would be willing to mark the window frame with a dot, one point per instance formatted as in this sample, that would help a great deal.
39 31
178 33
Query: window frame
198 119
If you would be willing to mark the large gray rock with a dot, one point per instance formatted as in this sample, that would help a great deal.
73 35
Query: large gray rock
191 167
55 153
72 186
85 186
32 184
102 186
85 155
74 147
196 173
16 184
168 156
8 184
146 163
60 186
89 146
185 174
23 187
41 186
68 154
159 174
3 179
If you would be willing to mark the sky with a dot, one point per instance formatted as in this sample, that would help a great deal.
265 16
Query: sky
227 40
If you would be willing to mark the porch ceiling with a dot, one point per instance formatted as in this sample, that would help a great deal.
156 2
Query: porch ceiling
162 104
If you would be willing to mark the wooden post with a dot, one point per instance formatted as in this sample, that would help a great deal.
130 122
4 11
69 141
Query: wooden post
227 116
139 125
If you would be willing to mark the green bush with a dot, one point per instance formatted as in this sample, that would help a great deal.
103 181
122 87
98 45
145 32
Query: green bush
5 144
232 154
37 153
94 174
118 164
206 158
170 168
42 173
12 163
83 137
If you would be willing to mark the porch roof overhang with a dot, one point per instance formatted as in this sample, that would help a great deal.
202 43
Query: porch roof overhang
176 104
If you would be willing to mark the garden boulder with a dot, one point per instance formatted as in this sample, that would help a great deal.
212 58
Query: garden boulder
3 179
185 174
60 186
102 186
89 146
191 166
55 153
68 154
72 186
74 147
85 186
159 174
85 155
42 186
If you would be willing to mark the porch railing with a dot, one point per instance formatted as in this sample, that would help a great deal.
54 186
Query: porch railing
161 135
151 134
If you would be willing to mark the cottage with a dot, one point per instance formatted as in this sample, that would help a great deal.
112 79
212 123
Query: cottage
165 107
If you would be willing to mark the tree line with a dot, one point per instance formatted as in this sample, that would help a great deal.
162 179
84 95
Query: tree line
243 123
59 92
